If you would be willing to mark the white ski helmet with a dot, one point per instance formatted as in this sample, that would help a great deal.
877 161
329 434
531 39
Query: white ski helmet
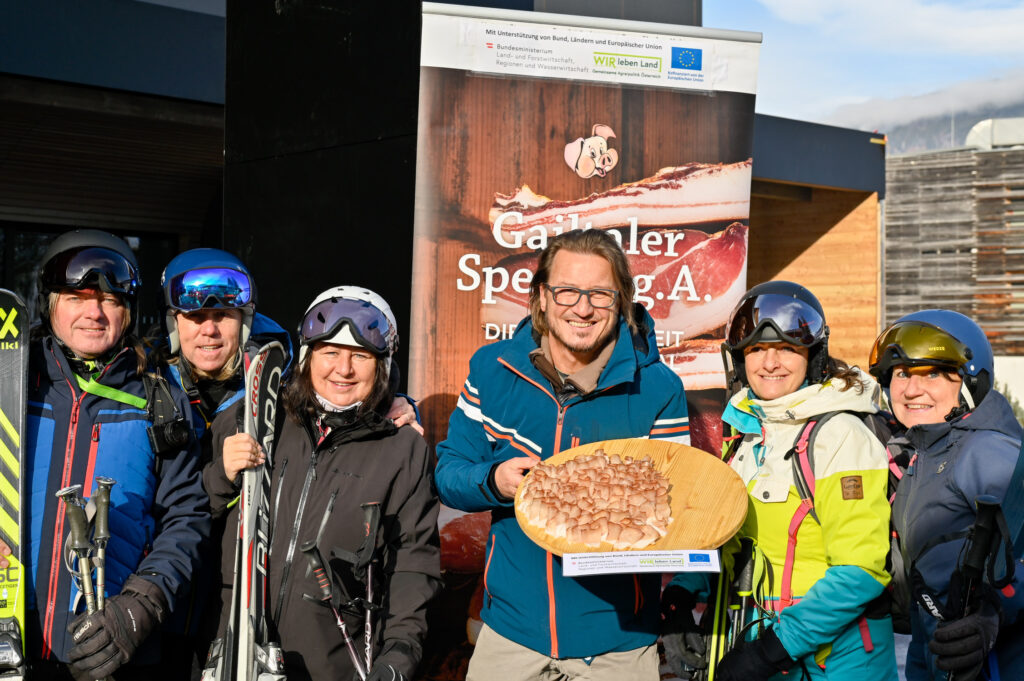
350 315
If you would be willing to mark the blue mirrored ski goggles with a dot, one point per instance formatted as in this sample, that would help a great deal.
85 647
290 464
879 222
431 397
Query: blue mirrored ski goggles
795 320
208 287
369 326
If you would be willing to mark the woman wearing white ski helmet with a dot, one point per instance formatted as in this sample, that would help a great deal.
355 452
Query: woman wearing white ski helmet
337 455
964 445
823 615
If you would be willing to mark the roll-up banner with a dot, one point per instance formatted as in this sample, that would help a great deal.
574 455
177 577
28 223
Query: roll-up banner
532 124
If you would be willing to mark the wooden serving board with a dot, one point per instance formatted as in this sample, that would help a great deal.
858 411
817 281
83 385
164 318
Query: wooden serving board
708 499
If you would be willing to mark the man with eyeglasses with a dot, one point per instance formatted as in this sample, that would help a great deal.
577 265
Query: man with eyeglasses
583 367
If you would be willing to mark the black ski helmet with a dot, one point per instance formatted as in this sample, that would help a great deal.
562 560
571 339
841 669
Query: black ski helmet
89 258
777 312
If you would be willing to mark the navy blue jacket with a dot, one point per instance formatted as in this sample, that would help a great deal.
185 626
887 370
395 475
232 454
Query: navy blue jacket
190 612
952 464
156 521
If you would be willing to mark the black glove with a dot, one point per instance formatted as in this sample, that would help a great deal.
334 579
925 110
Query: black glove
383 672
107 639
395 656
756 660
683 639
961 646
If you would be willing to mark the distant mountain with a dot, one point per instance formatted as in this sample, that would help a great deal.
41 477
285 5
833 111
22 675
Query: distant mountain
943 132
937 120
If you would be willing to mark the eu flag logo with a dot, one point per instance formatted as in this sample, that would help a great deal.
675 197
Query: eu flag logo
687 58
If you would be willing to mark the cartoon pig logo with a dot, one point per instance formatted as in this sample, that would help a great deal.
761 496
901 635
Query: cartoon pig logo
591 156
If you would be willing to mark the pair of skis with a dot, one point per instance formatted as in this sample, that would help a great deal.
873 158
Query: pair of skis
246 651
14 324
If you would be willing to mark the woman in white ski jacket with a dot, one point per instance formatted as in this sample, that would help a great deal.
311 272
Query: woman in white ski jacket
822 551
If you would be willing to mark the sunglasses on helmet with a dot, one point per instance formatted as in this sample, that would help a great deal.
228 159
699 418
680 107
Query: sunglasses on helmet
208 287
81 267
914 343
794 320
369 326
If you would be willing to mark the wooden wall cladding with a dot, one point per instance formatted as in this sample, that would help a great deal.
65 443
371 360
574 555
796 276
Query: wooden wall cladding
953 236
830 244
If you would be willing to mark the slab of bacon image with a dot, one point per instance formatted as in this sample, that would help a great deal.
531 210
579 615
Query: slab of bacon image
717 267
689 194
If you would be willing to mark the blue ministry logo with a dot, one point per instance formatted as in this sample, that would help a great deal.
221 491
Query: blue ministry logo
687 58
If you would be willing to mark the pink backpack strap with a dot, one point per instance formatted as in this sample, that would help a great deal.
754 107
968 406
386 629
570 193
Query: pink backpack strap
803 475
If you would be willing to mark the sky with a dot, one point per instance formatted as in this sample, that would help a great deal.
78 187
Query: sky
873 64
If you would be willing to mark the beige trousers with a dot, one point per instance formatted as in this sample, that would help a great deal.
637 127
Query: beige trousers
495 658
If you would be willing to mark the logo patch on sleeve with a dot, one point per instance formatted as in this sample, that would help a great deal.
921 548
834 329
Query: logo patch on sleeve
853 487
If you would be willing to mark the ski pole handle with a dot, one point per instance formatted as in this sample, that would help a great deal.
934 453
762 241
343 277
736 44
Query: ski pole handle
984 529
371 516
79 536
316 564
102 498
979 548
79 526
101 534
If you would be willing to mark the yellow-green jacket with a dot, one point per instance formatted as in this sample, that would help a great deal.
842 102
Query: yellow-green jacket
839 565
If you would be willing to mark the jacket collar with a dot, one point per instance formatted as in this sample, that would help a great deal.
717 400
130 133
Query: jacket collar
365 426
118 372
632 351
994 413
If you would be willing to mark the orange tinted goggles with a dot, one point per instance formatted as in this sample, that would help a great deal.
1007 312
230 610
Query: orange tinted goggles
915 343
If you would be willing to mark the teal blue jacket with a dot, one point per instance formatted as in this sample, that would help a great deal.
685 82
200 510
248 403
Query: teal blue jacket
508 409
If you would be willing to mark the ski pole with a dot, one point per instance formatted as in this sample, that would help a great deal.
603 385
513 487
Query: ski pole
371 512
977 550
744 586
79 537
101 535
316 564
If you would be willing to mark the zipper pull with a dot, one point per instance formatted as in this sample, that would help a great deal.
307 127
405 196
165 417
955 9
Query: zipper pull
96 432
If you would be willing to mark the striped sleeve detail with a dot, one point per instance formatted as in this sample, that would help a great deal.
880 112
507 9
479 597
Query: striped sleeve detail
469 403
673 430
496 431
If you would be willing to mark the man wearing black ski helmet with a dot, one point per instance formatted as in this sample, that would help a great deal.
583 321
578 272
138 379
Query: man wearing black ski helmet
89 259
777 312
89 417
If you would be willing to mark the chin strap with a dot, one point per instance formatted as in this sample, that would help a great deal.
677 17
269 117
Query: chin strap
965 394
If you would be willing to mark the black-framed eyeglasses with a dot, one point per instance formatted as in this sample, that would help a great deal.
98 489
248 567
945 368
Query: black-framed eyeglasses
570 295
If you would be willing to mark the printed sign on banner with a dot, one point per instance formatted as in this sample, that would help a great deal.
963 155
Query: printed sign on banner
529 127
